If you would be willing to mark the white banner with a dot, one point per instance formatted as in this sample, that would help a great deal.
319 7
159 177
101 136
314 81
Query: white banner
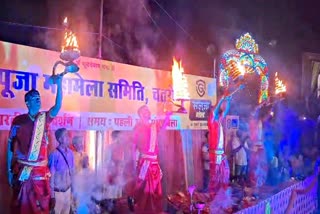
89 121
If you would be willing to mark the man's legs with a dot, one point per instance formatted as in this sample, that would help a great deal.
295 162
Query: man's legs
243 174
63 202
237 173
206 179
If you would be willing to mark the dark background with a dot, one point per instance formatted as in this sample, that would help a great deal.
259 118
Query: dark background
150 32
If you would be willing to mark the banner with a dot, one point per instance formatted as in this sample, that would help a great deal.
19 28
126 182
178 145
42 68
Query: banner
104 88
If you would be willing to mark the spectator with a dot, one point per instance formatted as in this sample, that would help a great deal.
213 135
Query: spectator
206 163
81 159
240 151
61 164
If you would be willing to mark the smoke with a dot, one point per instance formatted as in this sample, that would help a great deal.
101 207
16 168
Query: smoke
132 32
81 20
84 186
222 201
85 21
113 180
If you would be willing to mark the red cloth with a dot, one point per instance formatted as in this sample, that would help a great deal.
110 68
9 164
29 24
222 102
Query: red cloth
214 135
142 136
31 196
219 173
148 192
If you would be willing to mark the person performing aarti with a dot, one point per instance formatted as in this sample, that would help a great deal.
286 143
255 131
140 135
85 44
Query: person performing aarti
148 191
258 165
219 167
27 158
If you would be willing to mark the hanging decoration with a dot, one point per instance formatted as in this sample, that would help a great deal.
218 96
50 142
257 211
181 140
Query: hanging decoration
243 60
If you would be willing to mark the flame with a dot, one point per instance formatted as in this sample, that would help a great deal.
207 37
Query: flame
280 86
70 42
65 21
179 81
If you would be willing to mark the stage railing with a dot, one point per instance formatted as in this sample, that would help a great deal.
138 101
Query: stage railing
278 203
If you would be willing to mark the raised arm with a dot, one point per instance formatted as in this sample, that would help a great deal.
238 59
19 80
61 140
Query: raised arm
166 121
57 106
226 111
216 110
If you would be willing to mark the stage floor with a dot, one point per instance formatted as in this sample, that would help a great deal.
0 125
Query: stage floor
180 201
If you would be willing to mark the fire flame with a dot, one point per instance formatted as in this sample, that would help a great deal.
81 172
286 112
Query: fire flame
179 81
70 42
280 86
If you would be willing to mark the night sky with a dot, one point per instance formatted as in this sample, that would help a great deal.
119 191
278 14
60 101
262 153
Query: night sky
139 32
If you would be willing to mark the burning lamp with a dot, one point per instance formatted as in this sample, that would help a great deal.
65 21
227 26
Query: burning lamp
236 70
69 52
180 87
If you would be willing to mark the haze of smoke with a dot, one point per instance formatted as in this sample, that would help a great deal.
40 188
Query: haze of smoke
111 179
81 20
130 26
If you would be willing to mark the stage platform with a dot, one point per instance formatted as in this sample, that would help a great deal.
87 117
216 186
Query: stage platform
266 199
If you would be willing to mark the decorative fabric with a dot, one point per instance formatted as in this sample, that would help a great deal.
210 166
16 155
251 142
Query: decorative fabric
146 163
36 140
37 137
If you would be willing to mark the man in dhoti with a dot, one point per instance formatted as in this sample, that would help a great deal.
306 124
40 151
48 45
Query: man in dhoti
219 167
148 191
28 171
